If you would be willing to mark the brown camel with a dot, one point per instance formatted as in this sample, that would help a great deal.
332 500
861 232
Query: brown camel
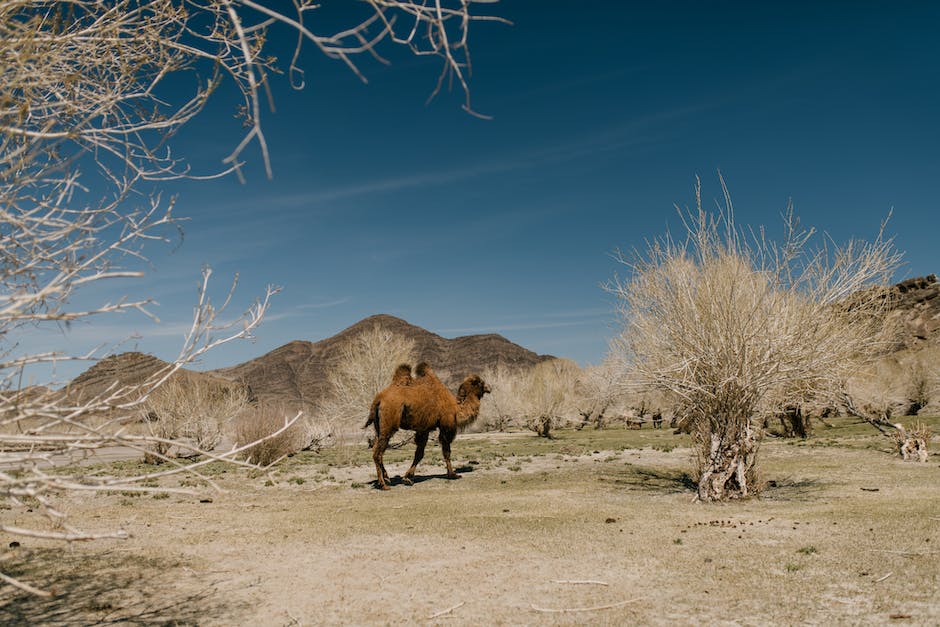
421 404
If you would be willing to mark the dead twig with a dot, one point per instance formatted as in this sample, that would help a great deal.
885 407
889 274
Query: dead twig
883 578
447 611
580 582
584 609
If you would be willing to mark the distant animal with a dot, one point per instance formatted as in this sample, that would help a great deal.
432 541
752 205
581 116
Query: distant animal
657 419
421 404
634 423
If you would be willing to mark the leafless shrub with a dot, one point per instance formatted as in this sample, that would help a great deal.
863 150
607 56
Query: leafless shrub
546 395
922 384
364 368
735 326
260 422
595 393
195 409
502 408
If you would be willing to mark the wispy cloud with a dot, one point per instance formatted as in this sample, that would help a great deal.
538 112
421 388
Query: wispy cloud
638 131
593 312
323 305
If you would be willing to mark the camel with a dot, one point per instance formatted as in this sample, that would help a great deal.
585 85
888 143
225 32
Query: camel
421 404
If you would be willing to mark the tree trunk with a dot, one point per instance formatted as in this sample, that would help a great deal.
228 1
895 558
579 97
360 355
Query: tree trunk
795 423
728 464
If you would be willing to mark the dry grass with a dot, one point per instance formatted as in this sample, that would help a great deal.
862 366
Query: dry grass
844 533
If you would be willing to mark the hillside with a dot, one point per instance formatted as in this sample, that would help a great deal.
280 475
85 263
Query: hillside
916 302
129 370
296 372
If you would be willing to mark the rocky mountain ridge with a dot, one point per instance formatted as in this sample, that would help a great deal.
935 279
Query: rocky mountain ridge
297 371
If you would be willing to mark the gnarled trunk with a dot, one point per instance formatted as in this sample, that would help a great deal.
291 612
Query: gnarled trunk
727 461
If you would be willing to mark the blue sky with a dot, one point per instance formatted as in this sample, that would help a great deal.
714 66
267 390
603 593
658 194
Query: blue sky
603 114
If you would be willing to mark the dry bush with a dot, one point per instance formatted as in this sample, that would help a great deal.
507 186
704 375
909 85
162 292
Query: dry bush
503 406
263 420
736 326
546 395
901 384
595 393
364 368
923 379
193 409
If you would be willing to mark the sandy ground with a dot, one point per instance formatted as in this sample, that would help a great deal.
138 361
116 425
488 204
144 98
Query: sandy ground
842 536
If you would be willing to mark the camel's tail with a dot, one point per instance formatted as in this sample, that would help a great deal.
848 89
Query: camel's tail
373 417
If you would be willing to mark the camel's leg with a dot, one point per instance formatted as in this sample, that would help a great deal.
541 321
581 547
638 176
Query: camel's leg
447 437
378 450
421 440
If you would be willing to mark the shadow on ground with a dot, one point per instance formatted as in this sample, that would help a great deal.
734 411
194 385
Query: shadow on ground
105 589
397 480
790 489
660 480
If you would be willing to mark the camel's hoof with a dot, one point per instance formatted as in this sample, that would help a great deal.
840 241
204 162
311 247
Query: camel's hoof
453 476
384 487
407 480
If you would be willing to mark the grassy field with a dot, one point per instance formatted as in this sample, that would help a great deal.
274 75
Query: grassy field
592 527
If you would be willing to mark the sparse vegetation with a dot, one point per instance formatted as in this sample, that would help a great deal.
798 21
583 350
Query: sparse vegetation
814 534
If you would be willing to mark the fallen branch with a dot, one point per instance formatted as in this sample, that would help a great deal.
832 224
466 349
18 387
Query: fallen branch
447 611
883 578
578 582
24 586
879 423
585 609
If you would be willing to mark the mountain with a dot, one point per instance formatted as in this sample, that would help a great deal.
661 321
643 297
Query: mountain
296 372
129 370
916 304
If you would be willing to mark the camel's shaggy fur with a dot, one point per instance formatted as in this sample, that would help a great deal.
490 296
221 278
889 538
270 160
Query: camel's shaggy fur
421 404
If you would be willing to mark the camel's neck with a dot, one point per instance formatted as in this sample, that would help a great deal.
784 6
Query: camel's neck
467 411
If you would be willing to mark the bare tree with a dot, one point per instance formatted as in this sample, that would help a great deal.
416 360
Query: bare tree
503 406
595 392
89 104
364 368
547 394
736 326
198 409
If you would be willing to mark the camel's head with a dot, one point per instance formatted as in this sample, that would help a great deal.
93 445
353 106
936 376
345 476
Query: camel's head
472 386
